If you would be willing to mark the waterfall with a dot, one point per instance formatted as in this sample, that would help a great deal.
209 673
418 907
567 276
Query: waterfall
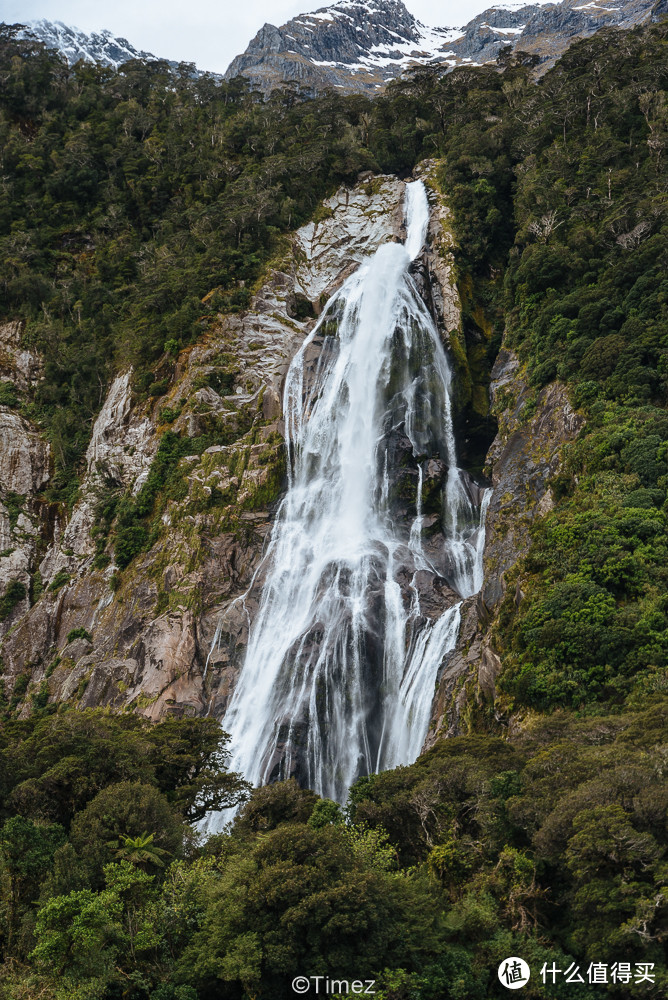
342 659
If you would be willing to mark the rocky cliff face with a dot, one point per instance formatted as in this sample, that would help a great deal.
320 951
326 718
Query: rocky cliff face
352 45
168 633
24 470
547 29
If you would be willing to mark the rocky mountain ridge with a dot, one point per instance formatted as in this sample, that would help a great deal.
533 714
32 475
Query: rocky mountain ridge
358 46
74 45
350 45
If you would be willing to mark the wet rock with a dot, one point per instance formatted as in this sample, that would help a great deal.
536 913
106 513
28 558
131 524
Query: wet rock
359 222
525 455
434 593
451 695
434 270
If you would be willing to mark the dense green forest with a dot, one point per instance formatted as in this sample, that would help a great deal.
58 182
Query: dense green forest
137 205
550 846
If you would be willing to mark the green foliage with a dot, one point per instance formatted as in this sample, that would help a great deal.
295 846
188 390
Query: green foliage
52 768
142 203
108 495
8 395
133 218
82 901
13 504
138 518
39 699
26 854
124 812
52 666
15 592
20 687
170 992
132 532
330 908
78 633
273 805
568 845
451 978
169 414
99 938
36 586
585 302
132 195
60 579
551 845
139 850
325 813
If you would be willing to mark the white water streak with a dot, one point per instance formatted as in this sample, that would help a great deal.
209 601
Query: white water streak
339 673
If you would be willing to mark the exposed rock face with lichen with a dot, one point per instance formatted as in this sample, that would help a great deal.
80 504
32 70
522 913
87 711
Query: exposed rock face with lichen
24 470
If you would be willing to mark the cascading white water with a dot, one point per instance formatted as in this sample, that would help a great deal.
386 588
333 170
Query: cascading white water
341 662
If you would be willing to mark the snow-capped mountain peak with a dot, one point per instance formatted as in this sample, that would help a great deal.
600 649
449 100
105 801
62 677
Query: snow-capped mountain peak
74 45
351 44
